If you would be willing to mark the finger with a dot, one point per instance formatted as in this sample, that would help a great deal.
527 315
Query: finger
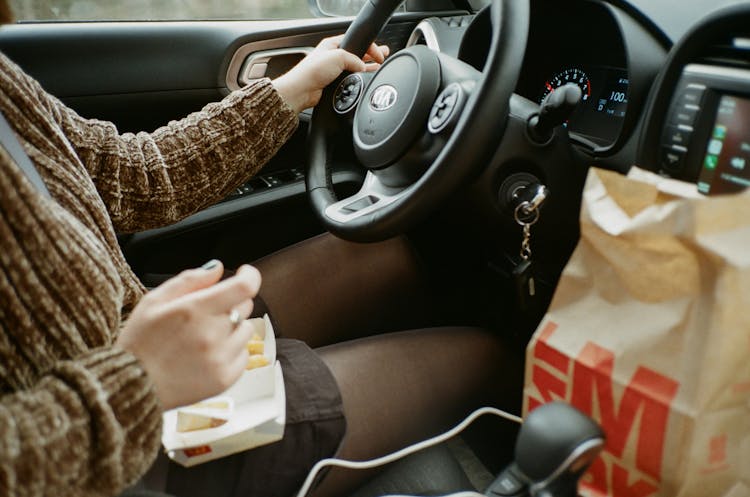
371 67
233 356
377 53
237 341
243 311
245 308
222 325
189 281
236 347
349 62
224 296
237 356
332 42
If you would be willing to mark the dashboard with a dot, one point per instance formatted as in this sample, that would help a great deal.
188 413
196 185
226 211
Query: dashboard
687 112
579 43
600 114
648 100
561 50
698 128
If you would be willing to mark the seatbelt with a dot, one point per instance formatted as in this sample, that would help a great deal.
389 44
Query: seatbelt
10 143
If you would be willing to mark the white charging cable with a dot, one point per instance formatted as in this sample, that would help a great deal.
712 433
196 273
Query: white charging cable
411 449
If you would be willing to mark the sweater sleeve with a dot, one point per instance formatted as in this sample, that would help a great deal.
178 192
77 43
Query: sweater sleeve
149 180
88 427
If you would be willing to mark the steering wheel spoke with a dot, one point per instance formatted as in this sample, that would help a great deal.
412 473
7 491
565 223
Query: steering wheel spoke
372 196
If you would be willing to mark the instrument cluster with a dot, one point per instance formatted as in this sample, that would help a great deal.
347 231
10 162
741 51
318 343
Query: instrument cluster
572 42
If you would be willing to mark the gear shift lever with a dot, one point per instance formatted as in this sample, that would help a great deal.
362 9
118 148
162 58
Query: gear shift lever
556 444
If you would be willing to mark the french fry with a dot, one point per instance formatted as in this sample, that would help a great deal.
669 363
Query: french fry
256 361
255 347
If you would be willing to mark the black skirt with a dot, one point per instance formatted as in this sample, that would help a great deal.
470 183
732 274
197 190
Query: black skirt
315 427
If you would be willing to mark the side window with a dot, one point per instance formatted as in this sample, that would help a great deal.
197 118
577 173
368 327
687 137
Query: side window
181 10
165 10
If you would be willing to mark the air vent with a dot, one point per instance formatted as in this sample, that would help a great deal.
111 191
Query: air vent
733 51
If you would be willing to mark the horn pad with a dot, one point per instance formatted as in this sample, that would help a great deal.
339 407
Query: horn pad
395 107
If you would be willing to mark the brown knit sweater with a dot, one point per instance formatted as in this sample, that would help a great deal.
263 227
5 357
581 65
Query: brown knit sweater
78 415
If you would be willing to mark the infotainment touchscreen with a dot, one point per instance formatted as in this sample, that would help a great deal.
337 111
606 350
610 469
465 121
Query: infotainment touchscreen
726 165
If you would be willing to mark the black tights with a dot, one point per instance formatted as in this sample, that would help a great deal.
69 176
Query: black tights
397 388
403 387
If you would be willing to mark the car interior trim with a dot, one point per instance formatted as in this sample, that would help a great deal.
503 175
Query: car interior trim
255 65
373 195
235 207
424 30
720 26
731 74
242 60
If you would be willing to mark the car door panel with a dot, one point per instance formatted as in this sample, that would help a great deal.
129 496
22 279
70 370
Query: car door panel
140 61
140 75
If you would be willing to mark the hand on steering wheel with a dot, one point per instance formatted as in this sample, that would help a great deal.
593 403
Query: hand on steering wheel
302 87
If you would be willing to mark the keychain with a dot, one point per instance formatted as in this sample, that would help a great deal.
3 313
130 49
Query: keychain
526 215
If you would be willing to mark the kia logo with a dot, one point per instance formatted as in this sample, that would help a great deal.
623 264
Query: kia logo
383 98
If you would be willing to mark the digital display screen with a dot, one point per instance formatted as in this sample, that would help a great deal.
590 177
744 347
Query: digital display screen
613 98
600 118
726 165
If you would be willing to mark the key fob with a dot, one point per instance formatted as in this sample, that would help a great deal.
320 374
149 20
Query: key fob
523 276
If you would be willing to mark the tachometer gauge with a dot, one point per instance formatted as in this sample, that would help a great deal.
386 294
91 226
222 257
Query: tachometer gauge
572 75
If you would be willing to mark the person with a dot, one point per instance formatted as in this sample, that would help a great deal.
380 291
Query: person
90 359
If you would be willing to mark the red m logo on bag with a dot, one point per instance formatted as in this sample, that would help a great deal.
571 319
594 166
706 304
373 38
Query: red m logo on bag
640 416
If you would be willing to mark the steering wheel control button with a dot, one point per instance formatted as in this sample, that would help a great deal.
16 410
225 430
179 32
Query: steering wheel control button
444 108
347 93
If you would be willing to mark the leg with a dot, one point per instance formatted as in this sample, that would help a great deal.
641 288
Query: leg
404 387
327 290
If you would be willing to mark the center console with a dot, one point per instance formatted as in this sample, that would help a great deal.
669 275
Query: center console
706 136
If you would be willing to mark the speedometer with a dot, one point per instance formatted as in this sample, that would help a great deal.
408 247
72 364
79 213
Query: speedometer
572 75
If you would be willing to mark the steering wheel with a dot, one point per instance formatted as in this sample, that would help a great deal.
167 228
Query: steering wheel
421 125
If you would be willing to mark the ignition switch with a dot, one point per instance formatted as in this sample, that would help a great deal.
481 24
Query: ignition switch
521 187
530 198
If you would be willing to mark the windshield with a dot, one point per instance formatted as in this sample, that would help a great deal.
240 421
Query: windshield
676 18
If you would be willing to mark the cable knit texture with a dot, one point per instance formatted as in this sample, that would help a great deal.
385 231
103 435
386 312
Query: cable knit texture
78 416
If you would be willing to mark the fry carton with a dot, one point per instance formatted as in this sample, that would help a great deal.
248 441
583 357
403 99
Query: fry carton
251 413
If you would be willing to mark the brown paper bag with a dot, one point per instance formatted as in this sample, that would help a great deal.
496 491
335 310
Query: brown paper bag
649 333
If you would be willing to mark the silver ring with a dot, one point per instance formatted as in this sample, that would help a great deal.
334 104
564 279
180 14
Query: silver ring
235 318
